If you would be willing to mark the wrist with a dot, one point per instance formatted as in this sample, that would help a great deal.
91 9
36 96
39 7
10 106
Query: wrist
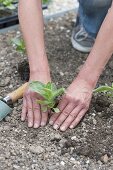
40 75
89 76
39 70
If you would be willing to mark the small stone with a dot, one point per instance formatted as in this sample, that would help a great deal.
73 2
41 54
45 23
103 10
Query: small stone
99 113
57 136
71 150
105 158
62 163
73 138
72 160
36 149
61 73
88 161
62 28
11 86
7 81
93 114
62 142
16 167
3 83
68 31
7 118
94 122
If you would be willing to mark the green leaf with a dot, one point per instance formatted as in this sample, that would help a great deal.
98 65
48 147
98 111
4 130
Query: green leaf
20 44
48 92
58 92
44 108
37 87
103 89
51 86
43 102
109 94
56 110
51 105
48 85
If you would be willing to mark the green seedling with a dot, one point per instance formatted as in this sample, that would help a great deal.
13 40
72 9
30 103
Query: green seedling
19 44
49 94
7 4
105 89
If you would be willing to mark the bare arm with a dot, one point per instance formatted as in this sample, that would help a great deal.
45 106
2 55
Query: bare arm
31 21
75 102
101 51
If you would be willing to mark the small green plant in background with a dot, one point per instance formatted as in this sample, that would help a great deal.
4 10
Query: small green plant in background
49 94
46 1
108 90
9 4
19 44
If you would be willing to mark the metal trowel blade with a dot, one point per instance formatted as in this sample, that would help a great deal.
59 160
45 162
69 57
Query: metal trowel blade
4 110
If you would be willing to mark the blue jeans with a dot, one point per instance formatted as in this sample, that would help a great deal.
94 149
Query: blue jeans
92 13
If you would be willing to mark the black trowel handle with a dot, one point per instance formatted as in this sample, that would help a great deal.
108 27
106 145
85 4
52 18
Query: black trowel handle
18 93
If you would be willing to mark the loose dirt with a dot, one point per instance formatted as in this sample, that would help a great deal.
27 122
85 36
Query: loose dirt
87 147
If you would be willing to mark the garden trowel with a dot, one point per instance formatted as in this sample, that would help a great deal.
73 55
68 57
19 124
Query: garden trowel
6 103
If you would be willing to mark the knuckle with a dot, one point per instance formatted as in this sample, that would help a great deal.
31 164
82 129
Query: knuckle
59 121
68 97
73 114
30 109
65 113
75 100
36 109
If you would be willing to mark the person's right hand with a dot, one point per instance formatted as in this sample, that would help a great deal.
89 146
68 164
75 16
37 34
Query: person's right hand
31 111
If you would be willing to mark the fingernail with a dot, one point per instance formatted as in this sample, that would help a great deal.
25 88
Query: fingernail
36 125
43 123
71 127
30 124
55 127
51 122
63 128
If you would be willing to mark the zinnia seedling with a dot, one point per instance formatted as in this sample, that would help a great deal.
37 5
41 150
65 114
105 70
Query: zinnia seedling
105 89
49 93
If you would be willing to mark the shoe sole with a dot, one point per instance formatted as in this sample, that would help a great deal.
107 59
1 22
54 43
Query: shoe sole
79 47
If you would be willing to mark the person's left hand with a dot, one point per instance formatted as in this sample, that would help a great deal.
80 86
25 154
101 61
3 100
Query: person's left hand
73 105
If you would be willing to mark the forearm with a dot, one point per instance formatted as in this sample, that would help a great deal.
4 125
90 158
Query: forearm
31 22
101 52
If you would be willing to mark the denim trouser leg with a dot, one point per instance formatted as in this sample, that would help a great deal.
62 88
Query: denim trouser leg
92 14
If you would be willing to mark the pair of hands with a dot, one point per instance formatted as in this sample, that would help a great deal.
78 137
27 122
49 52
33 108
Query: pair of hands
73 106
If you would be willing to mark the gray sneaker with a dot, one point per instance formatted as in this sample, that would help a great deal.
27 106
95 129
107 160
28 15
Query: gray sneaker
81 40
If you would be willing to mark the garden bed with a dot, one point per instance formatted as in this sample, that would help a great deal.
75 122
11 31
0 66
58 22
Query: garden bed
89 146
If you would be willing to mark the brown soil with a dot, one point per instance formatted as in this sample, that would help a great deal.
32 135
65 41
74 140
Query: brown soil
91 140
63 58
